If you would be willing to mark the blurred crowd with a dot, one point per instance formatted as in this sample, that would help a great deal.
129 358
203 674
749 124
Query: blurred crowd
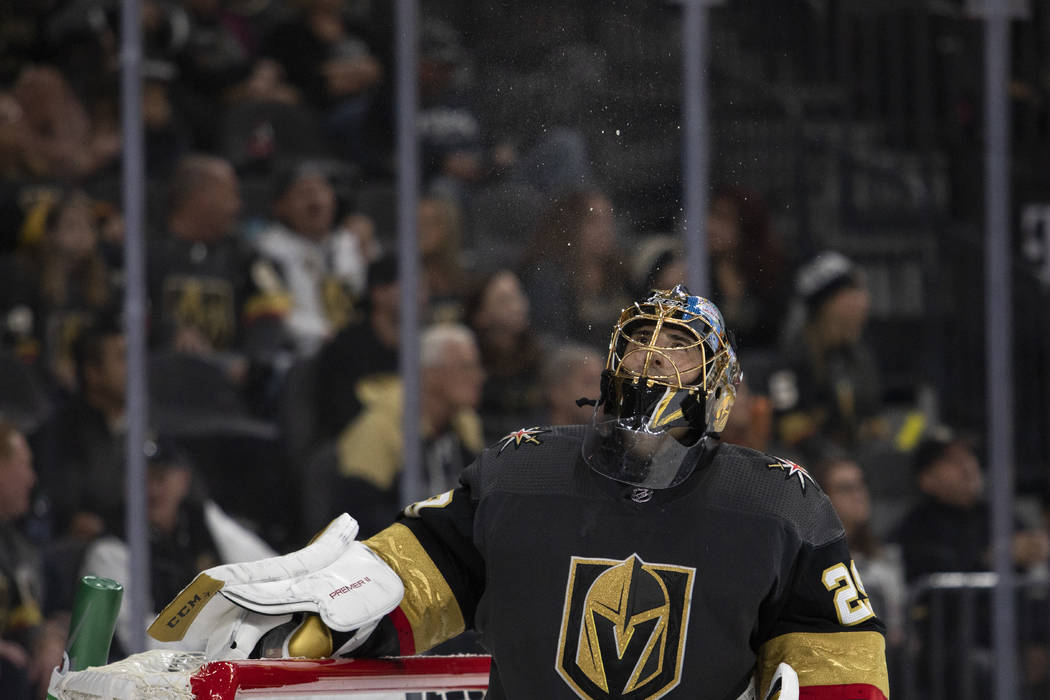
274 309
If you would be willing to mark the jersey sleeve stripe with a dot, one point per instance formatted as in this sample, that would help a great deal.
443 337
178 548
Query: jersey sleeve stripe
828 661
405 640
852 691
429 605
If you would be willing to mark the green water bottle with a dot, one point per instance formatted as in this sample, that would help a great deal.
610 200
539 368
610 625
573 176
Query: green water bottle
94 619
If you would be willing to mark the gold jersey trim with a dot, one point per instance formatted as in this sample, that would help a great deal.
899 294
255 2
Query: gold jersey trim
272 304
835 658
429 604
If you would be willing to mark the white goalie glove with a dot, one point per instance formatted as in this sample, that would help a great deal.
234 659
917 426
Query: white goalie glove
227 609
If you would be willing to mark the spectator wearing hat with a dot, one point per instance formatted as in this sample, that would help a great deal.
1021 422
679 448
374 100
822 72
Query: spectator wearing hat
188 532
948 529
825 387
334 64
463 150
321 261
451 135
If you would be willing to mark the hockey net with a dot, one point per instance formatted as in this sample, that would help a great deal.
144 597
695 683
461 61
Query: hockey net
172 675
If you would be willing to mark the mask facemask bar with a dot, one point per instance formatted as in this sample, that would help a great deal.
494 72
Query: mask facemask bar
654 353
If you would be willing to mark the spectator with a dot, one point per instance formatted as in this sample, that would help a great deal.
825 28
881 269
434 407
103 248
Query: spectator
55 135
441 248
167 132
574 272
27 643
81 447
18 160
322 263
948 529
748 266
211 57
215 62
825 386
498 313
450 130
462 151
335 68
186 531
751 421
370 448
19 286
62 280
878 562
659 263
210 294
567 374
24 399
363 349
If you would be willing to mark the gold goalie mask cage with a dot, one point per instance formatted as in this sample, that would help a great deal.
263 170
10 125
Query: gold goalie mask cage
670 380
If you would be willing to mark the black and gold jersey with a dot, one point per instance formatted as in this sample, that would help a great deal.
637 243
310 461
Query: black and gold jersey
20 587
232 297
584 587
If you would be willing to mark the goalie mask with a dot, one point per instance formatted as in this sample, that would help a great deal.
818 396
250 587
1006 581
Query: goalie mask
670 380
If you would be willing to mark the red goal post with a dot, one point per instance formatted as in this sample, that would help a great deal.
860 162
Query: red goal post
170 674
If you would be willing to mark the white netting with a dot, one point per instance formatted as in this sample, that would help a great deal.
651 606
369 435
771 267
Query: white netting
160 674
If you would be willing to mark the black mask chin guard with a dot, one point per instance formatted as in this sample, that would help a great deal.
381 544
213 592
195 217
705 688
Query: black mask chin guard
646 435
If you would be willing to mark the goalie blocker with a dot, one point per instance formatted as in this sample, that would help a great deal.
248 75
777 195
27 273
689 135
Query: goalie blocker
279 604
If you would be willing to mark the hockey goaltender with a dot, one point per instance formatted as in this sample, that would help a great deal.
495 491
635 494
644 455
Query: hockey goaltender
635 557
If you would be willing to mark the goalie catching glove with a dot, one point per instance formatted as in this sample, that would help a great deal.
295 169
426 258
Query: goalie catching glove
283 601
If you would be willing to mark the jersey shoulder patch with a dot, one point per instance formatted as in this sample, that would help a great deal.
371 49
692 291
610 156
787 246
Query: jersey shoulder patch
521 438
540 459
759 483
792 471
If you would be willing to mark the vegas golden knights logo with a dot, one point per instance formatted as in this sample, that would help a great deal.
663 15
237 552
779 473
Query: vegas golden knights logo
623 628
